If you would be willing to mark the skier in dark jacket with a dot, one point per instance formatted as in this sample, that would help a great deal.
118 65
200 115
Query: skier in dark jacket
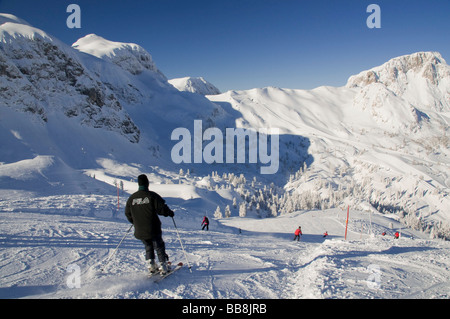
142 210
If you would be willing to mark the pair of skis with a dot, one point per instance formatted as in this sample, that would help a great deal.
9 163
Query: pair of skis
159 277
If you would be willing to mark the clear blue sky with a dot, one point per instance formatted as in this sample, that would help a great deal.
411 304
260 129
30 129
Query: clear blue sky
243 44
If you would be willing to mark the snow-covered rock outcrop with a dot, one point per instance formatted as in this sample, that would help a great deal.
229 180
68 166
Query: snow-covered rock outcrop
422 79
129 56
41 75
195 85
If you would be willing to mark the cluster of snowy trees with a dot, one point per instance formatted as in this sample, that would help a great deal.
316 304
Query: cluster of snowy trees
405 196
251 196
311 188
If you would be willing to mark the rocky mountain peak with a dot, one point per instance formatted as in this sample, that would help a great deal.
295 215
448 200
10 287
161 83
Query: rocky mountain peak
40 75
422 79
129 56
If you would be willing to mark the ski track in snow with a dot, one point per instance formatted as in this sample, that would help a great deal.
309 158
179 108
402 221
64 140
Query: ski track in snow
257 261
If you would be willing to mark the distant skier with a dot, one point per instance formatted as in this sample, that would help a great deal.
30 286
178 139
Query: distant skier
396 235
325 234
205 223
298 233
142 210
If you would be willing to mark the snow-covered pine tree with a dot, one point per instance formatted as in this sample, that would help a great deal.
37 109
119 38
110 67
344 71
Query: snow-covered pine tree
227 211
218 213
273 210
242 209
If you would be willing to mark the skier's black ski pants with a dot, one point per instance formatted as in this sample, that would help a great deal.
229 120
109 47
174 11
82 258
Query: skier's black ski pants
153 244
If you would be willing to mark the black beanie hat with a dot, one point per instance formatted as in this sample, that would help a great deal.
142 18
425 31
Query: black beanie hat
143 180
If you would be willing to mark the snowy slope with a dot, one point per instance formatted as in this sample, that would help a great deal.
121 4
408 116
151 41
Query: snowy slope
46 236
261 261
194 85
365 140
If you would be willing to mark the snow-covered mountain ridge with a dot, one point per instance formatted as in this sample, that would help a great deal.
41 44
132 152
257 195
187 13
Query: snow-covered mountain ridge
129 56
195 85
41 75
51 83
421 78
380 141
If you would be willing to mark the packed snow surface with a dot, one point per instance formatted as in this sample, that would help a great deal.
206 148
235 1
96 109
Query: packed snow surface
44 238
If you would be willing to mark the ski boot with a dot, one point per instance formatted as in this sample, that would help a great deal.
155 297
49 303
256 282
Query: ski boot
151 265
164 268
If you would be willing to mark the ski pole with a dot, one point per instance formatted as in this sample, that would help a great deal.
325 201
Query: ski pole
181 243
115 250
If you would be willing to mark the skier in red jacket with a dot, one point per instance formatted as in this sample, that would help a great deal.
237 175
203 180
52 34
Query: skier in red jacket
298 233
205 223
